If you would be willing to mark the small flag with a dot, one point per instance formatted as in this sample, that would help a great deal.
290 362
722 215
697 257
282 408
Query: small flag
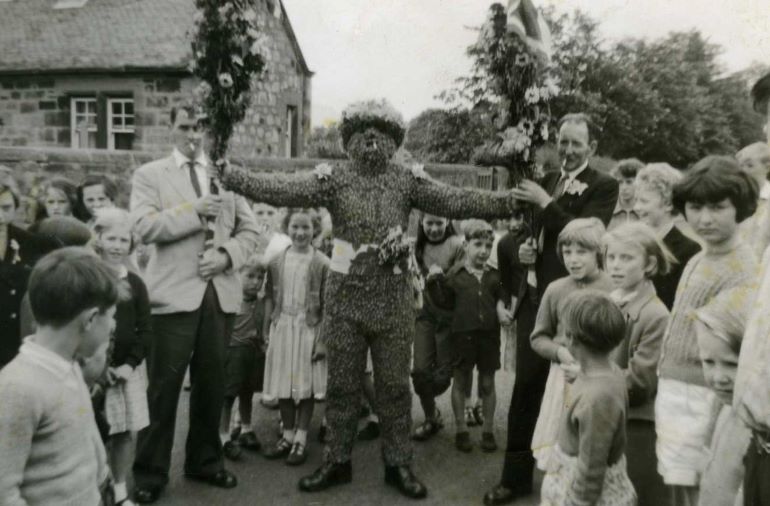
526 21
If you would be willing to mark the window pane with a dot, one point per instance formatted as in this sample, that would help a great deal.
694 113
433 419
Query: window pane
129 107
92 107
117 108
124 141
129 121
80 106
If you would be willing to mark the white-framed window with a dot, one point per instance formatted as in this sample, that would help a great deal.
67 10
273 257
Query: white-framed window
292 134
83 125
120 123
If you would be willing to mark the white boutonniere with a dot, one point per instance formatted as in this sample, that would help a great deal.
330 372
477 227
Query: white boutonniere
576 187
323 171
418 171
15 247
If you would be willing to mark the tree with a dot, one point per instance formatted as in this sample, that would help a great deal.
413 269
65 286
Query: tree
661 100
446 135
325 142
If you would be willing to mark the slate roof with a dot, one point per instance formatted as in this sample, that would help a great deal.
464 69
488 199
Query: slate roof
103 35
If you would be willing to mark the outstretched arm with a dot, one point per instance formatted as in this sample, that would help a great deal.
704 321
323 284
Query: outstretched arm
449 201
280 189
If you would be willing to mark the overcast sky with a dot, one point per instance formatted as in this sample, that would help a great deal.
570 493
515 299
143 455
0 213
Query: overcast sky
409 50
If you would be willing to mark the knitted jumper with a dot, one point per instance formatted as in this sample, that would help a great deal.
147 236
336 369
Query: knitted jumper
704 276
50 449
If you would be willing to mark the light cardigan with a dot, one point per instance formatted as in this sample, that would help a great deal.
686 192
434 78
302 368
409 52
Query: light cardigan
704 276
638 354
548 334
50 449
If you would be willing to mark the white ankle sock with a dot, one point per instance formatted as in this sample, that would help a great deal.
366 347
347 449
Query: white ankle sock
373 418
224 437
120 491
246 427
301 437
288 435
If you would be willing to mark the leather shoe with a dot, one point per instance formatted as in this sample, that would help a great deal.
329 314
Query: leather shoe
403 479
503 495
221 479
328 475
147 495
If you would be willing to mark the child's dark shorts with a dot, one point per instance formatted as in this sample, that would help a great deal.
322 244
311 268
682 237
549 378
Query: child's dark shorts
244 370
478 348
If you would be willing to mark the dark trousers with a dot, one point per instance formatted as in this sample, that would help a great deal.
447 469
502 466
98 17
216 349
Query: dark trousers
756 481
531 375
643 463
432 361
198 339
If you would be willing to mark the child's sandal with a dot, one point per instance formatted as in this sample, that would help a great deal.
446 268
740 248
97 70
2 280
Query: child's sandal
478 414
426 430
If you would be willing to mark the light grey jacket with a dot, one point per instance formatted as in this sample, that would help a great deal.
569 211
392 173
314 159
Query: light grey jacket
162 198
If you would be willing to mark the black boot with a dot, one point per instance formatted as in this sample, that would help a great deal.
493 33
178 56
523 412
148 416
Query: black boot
328 475
402 478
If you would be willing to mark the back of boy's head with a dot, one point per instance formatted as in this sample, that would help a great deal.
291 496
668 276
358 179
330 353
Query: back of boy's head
594 320
660 178
627 169
68 281
478 229
584 232
63 231
643 237
714 179
725 316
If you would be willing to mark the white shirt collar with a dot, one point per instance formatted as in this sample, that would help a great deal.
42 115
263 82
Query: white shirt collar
180 160
55 363
575 173
764 192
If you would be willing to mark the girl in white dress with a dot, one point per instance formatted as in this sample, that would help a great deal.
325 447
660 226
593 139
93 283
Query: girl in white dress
295 365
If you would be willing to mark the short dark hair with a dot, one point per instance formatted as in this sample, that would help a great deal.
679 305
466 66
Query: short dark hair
478 229
110 190
714 179
315 219
68 281
760 94
594 320
627 168
582 117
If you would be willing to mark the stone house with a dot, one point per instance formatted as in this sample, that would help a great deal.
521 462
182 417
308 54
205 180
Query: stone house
104 73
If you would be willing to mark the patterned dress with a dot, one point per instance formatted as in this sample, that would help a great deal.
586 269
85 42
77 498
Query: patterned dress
290 372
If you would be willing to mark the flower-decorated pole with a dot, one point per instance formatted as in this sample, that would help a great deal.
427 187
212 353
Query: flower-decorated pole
227 49
512 57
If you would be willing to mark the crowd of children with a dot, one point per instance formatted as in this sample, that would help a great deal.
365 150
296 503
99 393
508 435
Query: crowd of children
644 336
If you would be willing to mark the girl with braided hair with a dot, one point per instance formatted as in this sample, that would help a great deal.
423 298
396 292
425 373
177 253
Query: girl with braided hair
370 289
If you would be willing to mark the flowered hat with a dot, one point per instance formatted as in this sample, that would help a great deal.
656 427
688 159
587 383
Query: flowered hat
378 114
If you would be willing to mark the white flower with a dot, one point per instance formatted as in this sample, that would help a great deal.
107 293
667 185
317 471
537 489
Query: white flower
15 247
259 46
237 60
575 187
225 80
418 171
532 95
250 15
552 85
323 171
544 131
516 139
225 9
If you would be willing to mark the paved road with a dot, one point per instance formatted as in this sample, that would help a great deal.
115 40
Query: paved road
453 478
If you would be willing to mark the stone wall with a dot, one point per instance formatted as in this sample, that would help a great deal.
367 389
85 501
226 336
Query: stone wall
35 110
33 165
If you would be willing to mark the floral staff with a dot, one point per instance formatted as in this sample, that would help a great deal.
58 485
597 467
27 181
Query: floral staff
227 49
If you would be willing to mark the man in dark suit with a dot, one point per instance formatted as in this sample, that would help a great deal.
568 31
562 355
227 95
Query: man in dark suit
577 191
19 250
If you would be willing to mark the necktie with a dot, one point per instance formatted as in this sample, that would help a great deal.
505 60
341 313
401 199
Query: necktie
559 189
194 179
